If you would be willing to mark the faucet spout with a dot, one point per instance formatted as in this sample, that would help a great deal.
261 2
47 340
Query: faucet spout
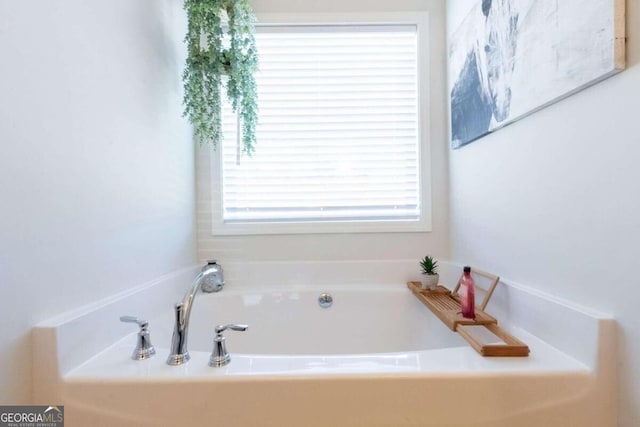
178 352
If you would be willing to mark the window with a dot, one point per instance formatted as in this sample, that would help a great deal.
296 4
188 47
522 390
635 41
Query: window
338 143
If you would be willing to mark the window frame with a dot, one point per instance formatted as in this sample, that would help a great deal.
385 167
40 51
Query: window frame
424 223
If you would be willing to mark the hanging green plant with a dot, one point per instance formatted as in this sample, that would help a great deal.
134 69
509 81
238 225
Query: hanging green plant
220 41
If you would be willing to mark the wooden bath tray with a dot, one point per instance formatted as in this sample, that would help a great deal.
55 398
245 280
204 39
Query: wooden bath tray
483 332
447 308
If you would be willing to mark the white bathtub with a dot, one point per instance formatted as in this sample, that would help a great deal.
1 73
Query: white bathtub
283 321
377 357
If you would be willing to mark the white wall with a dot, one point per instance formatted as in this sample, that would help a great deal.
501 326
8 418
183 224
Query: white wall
373 246
552 202
96 163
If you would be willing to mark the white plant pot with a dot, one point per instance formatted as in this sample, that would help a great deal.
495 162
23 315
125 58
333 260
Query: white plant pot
430 281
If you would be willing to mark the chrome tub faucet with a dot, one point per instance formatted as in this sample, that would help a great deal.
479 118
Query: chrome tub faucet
210 279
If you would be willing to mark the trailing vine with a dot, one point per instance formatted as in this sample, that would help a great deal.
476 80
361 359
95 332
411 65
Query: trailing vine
214 53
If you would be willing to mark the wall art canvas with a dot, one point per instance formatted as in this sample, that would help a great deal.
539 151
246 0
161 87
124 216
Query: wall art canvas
509 58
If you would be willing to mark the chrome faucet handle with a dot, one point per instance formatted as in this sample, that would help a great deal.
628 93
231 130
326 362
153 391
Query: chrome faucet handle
144 349
240 328
220 356
133 319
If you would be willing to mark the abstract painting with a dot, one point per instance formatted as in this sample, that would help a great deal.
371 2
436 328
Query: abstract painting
510 58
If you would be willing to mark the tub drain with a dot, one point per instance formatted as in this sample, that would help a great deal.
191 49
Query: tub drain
325 300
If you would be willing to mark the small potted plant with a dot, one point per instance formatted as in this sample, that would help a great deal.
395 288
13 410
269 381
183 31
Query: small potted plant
430 272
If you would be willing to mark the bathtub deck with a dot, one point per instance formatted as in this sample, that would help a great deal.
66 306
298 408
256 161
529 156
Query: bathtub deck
399 389
114 364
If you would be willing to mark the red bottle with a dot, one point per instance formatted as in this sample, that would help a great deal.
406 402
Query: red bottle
467 294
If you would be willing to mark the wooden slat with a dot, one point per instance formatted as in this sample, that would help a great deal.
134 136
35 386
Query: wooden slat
511 346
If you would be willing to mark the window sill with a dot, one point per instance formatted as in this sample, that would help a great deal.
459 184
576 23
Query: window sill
337 227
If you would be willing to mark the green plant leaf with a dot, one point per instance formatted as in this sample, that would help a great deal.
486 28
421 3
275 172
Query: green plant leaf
429 265
208 61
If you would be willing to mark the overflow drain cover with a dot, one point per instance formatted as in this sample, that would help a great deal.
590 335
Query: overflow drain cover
325 300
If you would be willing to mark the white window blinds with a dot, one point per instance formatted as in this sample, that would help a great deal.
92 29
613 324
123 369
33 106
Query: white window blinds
338 136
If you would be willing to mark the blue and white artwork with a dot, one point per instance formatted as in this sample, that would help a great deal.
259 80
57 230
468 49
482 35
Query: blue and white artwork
509 58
